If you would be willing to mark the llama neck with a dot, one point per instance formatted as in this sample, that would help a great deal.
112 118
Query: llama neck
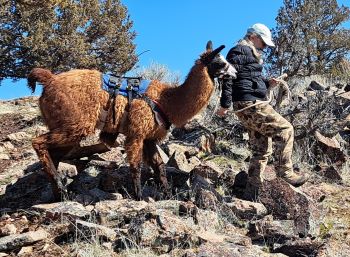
183 102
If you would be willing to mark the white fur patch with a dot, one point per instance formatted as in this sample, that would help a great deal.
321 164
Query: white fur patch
229 70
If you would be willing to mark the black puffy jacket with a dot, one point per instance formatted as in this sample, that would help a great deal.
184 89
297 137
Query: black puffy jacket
249 85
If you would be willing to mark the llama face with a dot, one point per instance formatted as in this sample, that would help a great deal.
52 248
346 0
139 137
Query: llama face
220 67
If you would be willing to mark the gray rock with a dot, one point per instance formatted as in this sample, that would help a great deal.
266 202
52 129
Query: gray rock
119 180
57 210
19 137
208 170
206 196
331 148
284 201
178 146
272 231
8 229
115 212
302 247
88 179
31 189
178 160
162 231
67 169
15 241
177 177
246 209
25 250
116 180
85 229
4 156
231 250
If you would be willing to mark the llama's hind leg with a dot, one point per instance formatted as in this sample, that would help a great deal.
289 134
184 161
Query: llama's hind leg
43 145
133 147
40 146
154 159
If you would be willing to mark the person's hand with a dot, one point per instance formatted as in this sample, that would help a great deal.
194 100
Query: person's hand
222 112
273 82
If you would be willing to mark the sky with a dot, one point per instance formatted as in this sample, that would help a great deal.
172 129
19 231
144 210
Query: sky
175 33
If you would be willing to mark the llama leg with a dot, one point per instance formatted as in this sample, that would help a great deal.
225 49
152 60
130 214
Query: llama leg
55 179
133 147
43 144
154 159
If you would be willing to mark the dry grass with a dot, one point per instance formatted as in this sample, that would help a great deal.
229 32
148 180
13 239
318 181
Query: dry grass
337 218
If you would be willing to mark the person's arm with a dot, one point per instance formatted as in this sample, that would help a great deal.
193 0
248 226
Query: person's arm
235 56
226 93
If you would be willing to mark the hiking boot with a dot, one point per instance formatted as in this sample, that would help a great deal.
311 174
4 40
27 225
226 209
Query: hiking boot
294 178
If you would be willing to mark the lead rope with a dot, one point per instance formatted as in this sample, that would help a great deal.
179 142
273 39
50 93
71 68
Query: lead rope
283 93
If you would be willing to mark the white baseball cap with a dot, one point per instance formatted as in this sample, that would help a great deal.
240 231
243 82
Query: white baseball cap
263 32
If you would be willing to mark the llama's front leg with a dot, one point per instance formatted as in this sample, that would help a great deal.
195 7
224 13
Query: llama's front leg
133 147
154 159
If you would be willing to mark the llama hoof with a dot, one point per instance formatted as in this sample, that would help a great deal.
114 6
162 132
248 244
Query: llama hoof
61 185
139 197
59 189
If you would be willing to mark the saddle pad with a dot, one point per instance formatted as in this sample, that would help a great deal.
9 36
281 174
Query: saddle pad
139 85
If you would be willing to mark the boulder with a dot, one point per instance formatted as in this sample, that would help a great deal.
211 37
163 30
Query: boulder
11 242
272 231
301 247
286 202
54 211
331 148
246 209
208 170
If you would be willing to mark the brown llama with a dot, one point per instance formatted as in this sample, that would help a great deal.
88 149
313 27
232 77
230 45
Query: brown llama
73 102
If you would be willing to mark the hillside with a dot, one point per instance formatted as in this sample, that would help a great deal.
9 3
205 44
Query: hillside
206 163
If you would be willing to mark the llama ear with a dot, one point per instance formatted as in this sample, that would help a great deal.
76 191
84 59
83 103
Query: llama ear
218 50
212 54
209 46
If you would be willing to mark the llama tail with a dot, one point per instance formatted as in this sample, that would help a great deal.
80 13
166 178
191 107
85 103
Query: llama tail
40 75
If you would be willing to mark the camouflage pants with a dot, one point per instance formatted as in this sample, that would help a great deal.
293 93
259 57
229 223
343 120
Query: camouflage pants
265 126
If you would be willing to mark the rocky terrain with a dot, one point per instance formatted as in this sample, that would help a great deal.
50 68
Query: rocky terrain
206 163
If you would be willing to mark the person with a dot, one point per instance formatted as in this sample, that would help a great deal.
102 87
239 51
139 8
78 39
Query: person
262 122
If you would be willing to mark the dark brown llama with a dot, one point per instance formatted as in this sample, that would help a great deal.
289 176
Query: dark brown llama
73 102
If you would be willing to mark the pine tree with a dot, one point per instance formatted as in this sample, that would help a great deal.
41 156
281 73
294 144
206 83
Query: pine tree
309 36
65 34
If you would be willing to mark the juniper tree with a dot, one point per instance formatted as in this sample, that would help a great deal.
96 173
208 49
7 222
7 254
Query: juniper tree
65 34
309 36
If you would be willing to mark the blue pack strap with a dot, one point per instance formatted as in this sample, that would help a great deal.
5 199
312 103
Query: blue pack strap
110 82
113 85
131 87
129 90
